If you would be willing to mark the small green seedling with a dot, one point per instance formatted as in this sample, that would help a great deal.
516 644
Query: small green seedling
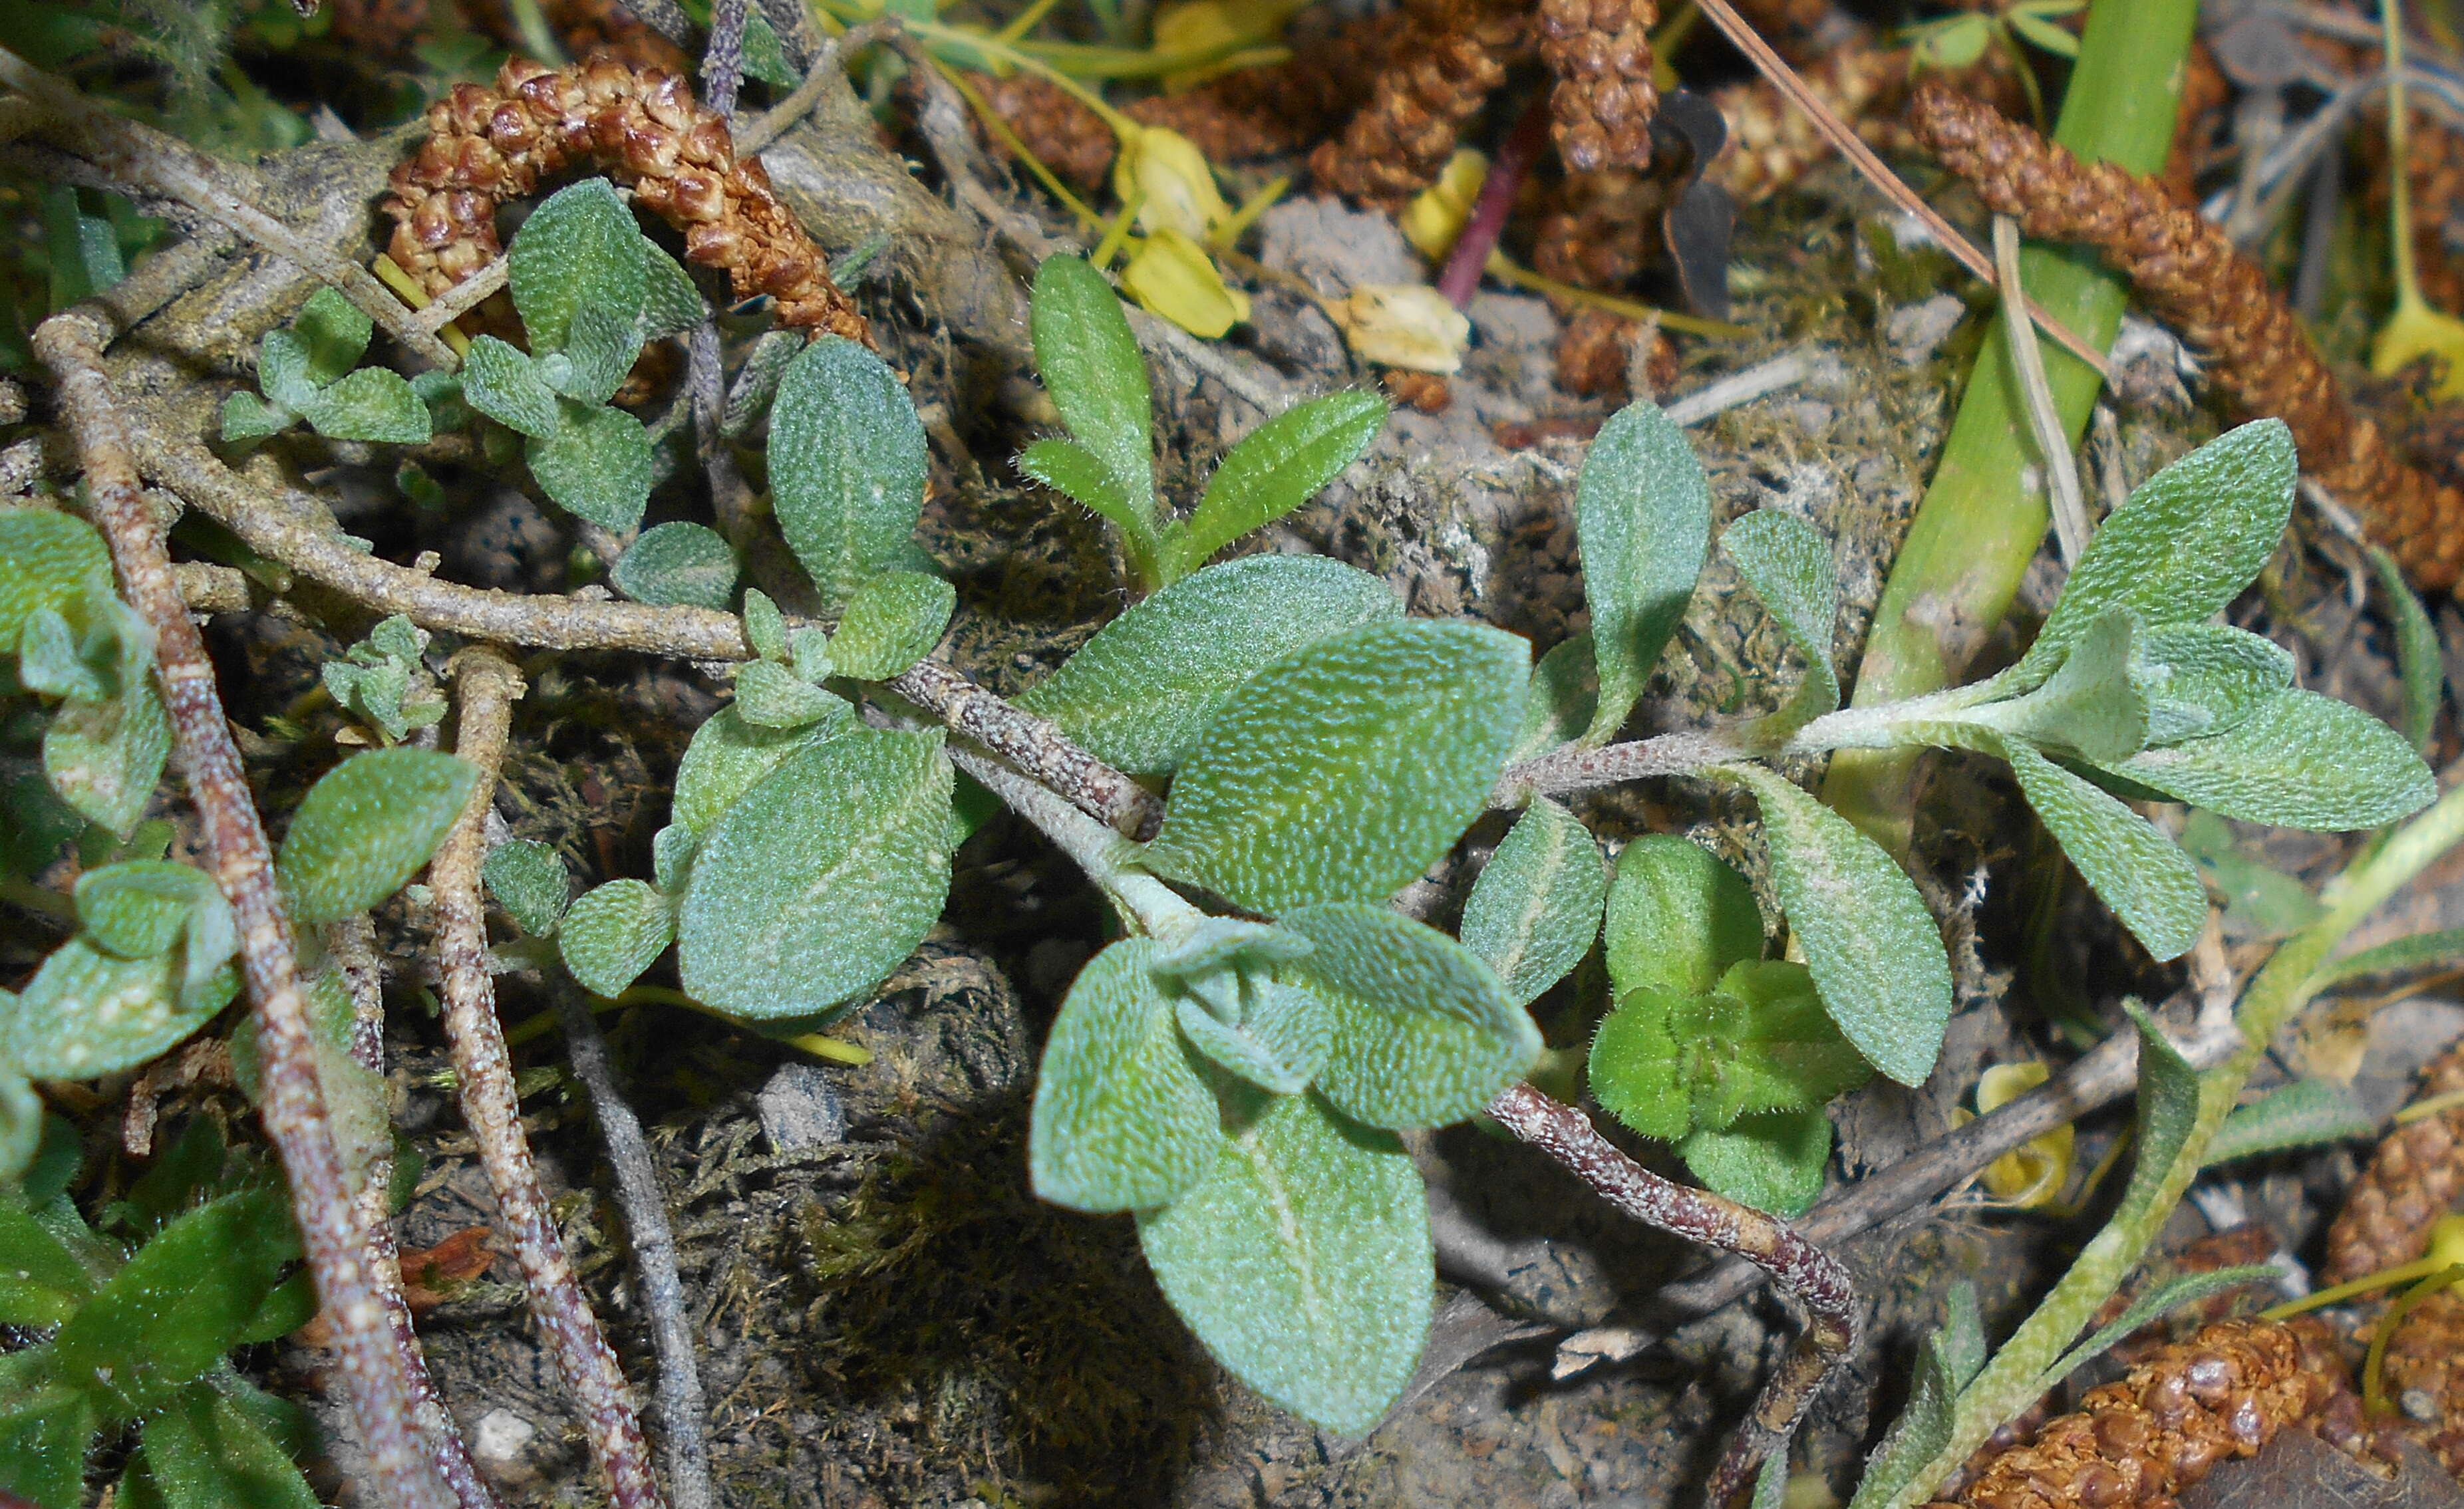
305 370
382 681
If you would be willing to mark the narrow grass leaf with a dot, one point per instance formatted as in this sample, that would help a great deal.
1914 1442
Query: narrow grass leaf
2302 1114
2417 656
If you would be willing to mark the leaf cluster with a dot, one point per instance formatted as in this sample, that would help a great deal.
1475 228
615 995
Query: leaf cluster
309 370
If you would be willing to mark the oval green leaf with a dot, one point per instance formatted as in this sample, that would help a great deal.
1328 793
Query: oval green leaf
2300 760
46 560
892 621
1678 917
678 564
613 932
87 1013
1536 909
1121 1120
1772 1162
596 465
1642 520
366 827
2138 872
728 756
580 248
847 467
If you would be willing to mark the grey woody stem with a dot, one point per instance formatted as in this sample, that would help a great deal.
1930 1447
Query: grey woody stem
1034 746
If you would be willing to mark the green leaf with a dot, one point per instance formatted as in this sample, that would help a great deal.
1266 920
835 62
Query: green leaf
1536 909
46 560
1070 468
1344 770
247 418
2203 679
580 248
1138 694
1121 1121
2138 872
769 696
23 1125
1565 695
819 881
1638 1071
1424 1035
2302 1114
1097 379
1787 566
2300 761
808 653
502 384
2172 1294
103 758
2052 38
2417 654
672 856
366 827
1302 1261
1642 519
185 1299
83 250
892 621
671 304
1678 917
764 58
1766 1045
371 404
1278 1040
138 909
597 465
2168 1104
333 334
728 756
1274 469
600 349
41 1281
282 358
847 466
1923 1429
87 1013
613 932
2093 702
678 564
2260 900
765 627
44 1438
1774 1161
2420 951
2186 542
204 1452
529 880
1874 950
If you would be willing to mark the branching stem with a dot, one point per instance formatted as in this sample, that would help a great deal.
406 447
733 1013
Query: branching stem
1034 746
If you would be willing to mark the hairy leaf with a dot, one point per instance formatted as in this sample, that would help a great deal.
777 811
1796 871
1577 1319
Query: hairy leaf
529 880
46 560
819 880
1139 692
579 250
1678 917
1121 1121
2420 951
2201 679
1763 1043
1097 377
87 1013
500 383
1274 469
2138 872
1788 568
2172 1294
1565 695
1344 770
2300 760
1643 522
1638 1071
2302 1114
371 404
2092 703
1070 468
1536 909
613 932
44 1437
1774 1161
847 467
1278 1043
204 1452
104 757
366 827
333 335
2417 656
729 755
769 696
678 564
247 418
597 465
1302 1261
600 349
892 621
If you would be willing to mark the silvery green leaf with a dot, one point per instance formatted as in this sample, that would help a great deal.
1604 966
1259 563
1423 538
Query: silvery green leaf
246 418
1097 379
579 250
757 382
2420 951
613 932
1639 1070
103 758
729 755
818 882
282 370
138 909
847 467
1347 768
333 335
1278 1047
808 653
1678 916
1121 1120
2181 1289
2302 1114
1215 944
2417 656
892 621
2138 872
769 696
1924 1428
1565 695
1302 1261
87 1013
21 1135
2300 760
529 880
2201 679
672 856
1774 1161
1536 909
52 661
1874 950
371 404
671 304
46 560
1642 520
1787 566
599 351
2186 542
676 565
1274 469
765 627
2092 703
1424 1035
2260 900
1139 692
2169 1105
1070 468
366 827
503 383
597 465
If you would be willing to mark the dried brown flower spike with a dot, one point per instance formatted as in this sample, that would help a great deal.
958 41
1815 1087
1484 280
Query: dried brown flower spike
2413 1177
1450 57
644 126
1600 50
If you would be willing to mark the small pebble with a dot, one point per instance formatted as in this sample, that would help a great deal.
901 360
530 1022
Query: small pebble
500 1447
799 1108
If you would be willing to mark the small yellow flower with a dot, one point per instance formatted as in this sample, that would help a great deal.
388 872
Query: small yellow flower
2414 331
2031 1175
1171 275
1199 26
1404 325
1437 216
1177 178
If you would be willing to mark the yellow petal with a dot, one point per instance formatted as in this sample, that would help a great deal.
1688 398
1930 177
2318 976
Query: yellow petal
2034 1174
1436 217
2447 1241
1404 325
1179 185
2415 331
1197 26
1173 276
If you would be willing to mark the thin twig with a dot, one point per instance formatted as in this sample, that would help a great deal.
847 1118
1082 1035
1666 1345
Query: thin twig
638 1195
1034 746
2061 469
466 295
488 685
1578 769
1852 147
722 62
295 1109
1742 388
154 161
1813 1277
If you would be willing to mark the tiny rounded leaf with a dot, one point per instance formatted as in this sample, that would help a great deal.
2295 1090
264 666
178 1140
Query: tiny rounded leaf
613 932
366 827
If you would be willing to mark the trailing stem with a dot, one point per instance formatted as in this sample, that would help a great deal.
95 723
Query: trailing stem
382 1393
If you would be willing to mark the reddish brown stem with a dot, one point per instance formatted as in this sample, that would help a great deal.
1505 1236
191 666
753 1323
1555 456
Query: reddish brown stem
488 685
1496 203
1811 1275
373 1368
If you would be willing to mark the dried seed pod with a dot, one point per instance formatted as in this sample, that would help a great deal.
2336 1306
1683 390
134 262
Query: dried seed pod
1069 137
1597 349
1600 50
1449 56
645 127
2189 274
2412 1178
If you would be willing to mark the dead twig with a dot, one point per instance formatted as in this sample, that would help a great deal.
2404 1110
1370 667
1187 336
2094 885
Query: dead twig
295 1118
1034 746
2061 467
722 62
488 685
